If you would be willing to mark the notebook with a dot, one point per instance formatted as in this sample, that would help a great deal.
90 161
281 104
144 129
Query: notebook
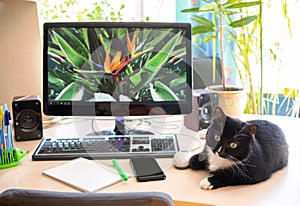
85 175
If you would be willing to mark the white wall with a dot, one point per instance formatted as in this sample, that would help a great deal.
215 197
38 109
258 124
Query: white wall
20 51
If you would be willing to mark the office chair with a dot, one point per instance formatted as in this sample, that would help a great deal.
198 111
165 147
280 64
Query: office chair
26 197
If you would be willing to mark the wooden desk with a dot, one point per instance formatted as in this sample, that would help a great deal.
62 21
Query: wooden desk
283 188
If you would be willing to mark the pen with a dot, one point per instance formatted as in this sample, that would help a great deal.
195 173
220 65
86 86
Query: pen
119 169
9 142
2 137
1 133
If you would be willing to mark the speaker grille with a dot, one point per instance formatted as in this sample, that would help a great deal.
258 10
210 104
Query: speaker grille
207 102
27 119
206 112
204 106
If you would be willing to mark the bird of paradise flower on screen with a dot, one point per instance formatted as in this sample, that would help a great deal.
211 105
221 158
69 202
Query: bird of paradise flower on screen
115 65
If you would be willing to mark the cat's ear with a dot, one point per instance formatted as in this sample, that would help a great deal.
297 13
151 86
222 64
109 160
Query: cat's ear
252 129
219 114
219 118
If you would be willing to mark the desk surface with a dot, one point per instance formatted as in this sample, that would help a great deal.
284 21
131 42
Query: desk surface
283 188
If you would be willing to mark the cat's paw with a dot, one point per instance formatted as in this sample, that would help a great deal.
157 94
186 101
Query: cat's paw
205 184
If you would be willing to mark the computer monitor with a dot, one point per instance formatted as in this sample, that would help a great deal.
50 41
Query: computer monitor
117 68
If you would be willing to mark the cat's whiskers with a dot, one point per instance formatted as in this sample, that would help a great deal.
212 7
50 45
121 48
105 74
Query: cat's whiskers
243 162
239 168
216 162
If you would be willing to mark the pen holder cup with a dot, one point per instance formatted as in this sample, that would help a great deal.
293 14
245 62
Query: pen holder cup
11 158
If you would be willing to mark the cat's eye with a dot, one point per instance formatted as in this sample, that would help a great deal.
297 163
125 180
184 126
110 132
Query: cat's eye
217 138
233 145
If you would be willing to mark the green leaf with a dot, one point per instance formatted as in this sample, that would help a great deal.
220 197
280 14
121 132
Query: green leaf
243 4
175 83
79 45
196 9
151 67
56 81
202 29
56 53
231 2
91 72
85 36
242 22
159 36
209 7
208 38
205 8
69 92
63 75
161 92
159 59
71 55
202 21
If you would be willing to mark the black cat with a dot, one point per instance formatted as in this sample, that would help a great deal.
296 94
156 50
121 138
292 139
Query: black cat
240 152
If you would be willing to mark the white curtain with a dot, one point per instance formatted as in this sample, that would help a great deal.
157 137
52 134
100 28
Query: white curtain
155 10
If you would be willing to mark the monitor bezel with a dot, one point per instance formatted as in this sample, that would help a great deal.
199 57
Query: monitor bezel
117 108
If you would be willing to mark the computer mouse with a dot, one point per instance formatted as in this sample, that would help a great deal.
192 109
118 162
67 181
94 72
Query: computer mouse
182 158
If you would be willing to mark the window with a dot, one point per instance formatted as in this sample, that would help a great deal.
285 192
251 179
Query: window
107 10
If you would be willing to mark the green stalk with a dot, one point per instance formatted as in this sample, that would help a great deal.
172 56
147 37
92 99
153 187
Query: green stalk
214 51
261 56
247 68
222 49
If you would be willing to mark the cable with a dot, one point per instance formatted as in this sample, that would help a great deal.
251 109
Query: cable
54 120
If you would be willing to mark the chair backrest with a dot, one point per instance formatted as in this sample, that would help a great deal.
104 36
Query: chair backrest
25 197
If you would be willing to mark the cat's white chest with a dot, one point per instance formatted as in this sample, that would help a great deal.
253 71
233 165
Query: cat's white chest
217 163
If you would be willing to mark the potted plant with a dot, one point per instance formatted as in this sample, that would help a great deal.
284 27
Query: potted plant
227 17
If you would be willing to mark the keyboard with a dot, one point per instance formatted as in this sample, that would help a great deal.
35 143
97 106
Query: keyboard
106 147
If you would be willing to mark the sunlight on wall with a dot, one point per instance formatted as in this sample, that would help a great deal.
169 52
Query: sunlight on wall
20 51
281 56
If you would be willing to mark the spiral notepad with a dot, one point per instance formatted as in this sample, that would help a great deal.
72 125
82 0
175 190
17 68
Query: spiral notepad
85 175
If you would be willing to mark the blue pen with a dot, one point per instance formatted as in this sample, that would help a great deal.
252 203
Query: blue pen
10 143
2 137
1 132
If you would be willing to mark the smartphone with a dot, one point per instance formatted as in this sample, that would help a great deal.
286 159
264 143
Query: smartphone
146 169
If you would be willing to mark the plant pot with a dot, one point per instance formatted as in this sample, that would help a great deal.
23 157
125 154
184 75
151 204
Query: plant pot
233 102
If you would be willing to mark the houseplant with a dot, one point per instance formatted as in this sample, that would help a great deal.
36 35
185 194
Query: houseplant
228 19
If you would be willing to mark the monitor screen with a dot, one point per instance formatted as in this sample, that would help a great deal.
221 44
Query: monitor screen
116 68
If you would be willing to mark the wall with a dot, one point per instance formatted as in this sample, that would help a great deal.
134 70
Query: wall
20 50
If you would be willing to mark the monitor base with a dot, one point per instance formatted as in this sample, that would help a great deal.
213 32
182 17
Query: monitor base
120 129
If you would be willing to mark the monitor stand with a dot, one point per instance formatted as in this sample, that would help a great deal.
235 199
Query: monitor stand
120 129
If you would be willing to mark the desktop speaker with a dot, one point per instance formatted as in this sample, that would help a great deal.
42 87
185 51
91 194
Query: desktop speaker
203 109
27 118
